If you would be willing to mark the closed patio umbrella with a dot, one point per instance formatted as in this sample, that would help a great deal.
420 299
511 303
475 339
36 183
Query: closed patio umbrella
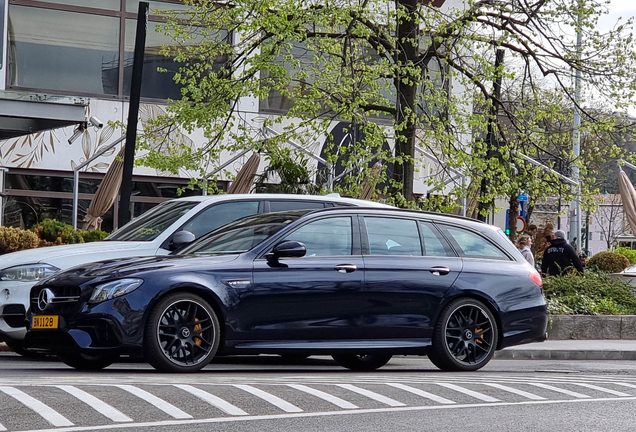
106 194
245 176
628 196
371 181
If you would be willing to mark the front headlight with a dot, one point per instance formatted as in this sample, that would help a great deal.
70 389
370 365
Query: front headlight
28 272
113 289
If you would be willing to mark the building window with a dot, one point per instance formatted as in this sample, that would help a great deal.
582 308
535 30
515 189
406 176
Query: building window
85 47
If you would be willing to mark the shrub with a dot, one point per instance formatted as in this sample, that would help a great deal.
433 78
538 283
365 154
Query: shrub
629 253
95 235
609 261
589 294
54 232
15 239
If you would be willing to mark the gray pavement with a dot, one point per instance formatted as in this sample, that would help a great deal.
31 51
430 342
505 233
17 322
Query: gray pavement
619 349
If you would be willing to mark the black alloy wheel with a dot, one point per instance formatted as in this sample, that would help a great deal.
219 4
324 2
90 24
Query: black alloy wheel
362 362
182 334
87 362
465 336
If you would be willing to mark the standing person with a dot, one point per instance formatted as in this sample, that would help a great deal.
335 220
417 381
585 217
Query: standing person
559 256
524 242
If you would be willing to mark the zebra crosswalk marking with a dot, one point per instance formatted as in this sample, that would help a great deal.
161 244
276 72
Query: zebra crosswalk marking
603 389
324 396
97 404
372 395
274 400
422 393
515 391
49 414
164 406
560 390
468 392
213 400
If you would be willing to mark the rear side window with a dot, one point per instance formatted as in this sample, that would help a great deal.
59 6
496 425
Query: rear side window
278 206
390 236
434 243
218 215
472 245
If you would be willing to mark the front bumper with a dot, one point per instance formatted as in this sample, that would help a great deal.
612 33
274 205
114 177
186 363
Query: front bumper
114 326
14 303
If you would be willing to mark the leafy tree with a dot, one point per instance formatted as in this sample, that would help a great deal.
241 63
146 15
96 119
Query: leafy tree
410 70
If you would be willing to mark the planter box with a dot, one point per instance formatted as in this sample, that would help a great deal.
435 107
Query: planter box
597 327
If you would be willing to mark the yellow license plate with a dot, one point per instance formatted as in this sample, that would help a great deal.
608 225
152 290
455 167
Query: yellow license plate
44 322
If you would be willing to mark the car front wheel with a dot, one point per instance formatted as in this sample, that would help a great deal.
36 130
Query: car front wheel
182 334
465 336
362 363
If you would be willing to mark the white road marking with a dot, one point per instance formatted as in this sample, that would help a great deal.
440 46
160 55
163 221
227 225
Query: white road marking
213 400
49 414
468 392
560 390
324 396
422 393
97 404
516 391
603 389
2 428
372 395
164 406
144 426
268 397
624 384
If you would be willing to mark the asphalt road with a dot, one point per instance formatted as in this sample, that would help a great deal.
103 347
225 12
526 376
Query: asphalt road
267 393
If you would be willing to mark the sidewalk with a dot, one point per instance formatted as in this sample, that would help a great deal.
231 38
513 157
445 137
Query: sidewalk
558 350
605 349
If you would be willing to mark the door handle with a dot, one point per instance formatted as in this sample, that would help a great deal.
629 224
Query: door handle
346 268
439 270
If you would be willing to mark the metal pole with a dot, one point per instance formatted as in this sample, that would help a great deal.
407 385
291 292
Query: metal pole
575 215
133 113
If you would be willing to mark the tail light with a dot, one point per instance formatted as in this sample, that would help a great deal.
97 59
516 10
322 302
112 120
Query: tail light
536 278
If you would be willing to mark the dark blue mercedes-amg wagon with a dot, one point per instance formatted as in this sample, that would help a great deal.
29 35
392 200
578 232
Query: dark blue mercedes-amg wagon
358 284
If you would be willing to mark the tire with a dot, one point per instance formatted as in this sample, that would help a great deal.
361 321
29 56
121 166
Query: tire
362 362
465 336
182 334
87 362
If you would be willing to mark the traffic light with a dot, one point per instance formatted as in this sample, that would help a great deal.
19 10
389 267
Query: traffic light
507 231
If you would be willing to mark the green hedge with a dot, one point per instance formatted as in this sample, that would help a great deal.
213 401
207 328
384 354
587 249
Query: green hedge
593 293
15 239
628 253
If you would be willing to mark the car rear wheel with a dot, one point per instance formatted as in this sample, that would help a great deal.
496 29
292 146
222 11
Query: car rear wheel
87 362
465 336
362 362
182 334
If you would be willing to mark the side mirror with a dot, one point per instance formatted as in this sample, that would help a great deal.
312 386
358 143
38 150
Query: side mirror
180 239
287 249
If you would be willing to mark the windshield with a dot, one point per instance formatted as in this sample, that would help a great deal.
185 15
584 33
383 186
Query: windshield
149 225
242 235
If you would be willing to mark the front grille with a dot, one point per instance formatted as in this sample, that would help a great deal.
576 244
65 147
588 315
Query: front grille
14 315
63 300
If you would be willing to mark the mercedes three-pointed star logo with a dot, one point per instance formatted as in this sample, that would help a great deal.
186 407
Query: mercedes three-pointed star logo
45 298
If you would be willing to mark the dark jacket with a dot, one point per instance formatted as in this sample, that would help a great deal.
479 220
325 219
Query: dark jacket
558 257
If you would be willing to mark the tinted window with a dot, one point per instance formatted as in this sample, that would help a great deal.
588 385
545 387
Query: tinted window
241 235
218 215
276 206
325 237
473 245
388 236
434 244
152 223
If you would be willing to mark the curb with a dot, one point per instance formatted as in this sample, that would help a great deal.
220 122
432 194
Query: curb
557 354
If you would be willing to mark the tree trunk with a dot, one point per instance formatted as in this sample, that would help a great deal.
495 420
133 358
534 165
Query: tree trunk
406 86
